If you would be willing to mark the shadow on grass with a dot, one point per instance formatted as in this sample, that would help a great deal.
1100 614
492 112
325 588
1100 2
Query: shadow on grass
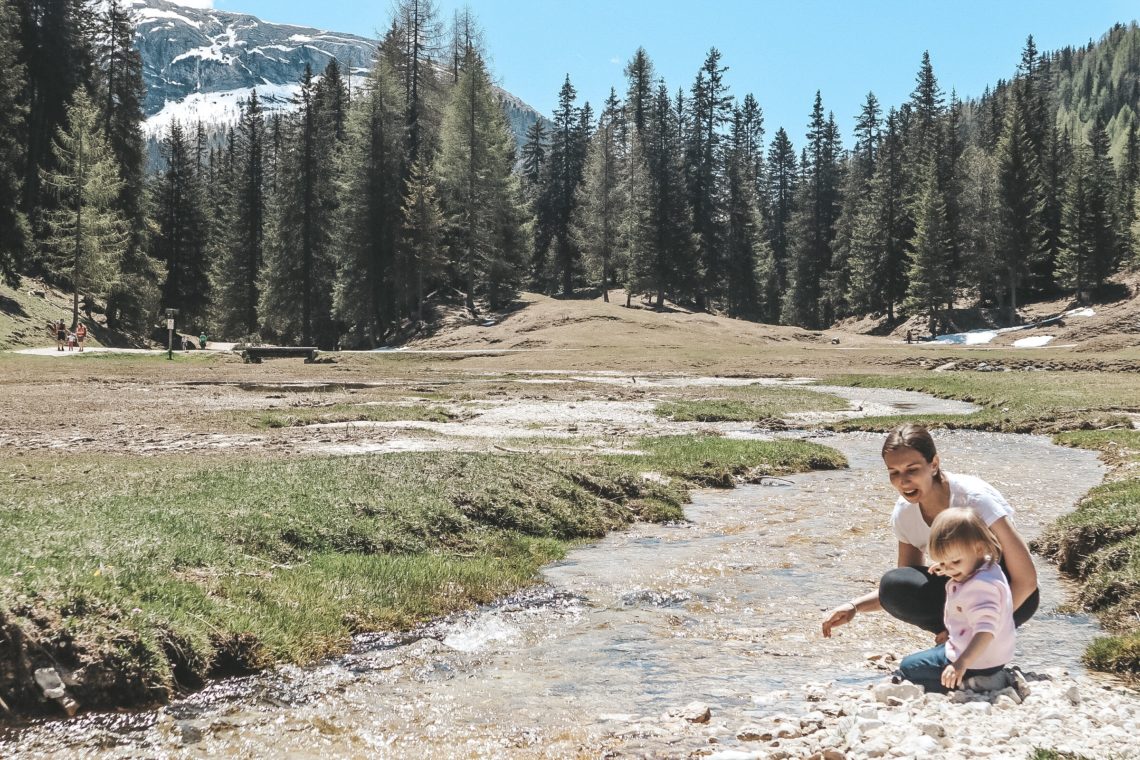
12 306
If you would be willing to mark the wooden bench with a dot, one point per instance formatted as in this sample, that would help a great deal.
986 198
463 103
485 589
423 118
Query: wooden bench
254 354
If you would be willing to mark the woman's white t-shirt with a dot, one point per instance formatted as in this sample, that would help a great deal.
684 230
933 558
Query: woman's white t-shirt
966 491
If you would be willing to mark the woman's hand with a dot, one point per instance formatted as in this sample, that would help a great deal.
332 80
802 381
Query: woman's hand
841 615
941 638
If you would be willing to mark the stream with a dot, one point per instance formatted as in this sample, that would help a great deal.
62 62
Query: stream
723 609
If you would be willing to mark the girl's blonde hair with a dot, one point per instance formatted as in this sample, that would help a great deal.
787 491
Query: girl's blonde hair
961 528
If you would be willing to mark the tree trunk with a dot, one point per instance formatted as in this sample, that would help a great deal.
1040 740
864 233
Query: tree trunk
1012 296
606 279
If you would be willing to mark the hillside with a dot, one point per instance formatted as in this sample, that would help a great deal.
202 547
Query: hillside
26 311
540 322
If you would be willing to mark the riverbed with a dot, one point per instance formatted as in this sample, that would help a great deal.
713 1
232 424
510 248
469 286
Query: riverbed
603 657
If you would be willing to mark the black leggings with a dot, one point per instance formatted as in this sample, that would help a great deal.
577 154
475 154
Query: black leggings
914 596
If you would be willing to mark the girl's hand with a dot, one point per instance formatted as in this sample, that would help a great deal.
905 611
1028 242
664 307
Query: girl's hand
936 569
953 675
841 615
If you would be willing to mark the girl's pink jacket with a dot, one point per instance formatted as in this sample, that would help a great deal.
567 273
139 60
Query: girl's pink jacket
981 603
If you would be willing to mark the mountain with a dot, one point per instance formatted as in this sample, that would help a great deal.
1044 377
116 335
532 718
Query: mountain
201 63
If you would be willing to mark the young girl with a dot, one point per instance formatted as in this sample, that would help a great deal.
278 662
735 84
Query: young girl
979 606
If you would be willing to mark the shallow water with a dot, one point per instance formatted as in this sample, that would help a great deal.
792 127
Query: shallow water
724 609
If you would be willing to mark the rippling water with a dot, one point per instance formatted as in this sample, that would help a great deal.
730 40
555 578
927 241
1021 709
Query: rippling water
724 609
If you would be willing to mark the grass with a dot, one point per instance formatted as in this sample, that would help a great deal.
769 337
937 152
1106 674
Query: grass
375 412
153 574
750 404
1013 402
1099 543
711 460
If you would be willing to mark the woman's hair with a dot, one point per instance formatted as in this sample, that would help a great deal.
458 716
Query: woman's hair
912 436
961 528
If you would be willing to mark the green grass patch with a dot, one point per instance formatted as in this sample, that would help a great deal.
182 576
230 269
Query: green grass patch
1040 753
1099 543
757 404
717 461
1013 402
155 573
296 416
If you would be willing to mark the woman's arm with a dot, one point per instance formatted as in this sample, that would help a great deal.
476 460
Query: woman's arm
1022 573
909 555
869 602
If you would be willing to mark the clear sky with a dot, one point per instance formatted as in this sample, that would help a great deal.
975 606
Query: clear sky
781 51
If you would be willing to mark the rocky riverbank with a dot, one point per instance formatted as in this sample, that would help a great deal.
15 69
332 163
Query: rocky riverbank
1051 710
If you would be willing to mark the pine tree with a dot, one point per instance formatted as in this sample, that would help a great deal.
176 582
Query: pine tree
711 110
534 158
640 75
856 194
15 234
818 207
297 278
236 277
179 240
465 35
599 203
418 36
928 275
1058 160
1102 188
1127 181
782 179
980 231
1021 204
1078 237
662 258
747 255
877 261
56 58
369 214
479 193
556 201
120 85
86 231
423 226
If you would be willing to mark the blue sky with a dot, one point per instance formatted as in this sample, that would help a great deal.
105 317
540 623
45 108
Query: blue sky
781 52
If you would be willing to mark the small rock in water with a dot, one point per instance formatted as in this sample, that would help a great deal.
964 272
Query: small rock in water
1073 694
752 734
696 712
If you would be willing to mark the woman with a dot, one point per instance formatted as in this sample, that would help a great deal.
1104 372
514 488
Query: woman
910 592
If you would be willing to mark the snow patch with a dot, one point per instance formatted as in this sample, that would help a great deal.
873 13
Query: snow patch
972 338
220 107
154 15
1035 342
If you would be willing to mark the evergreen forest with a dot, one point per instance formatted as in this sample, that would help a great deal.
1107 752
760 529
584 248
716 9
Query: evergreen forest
346 220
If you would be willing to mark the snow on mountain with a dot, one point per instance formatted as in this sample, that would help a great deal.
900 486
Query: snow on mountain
200 63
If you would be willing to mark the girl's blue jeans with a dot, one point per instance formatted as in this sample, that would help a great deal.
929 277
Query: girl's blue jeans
925 669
